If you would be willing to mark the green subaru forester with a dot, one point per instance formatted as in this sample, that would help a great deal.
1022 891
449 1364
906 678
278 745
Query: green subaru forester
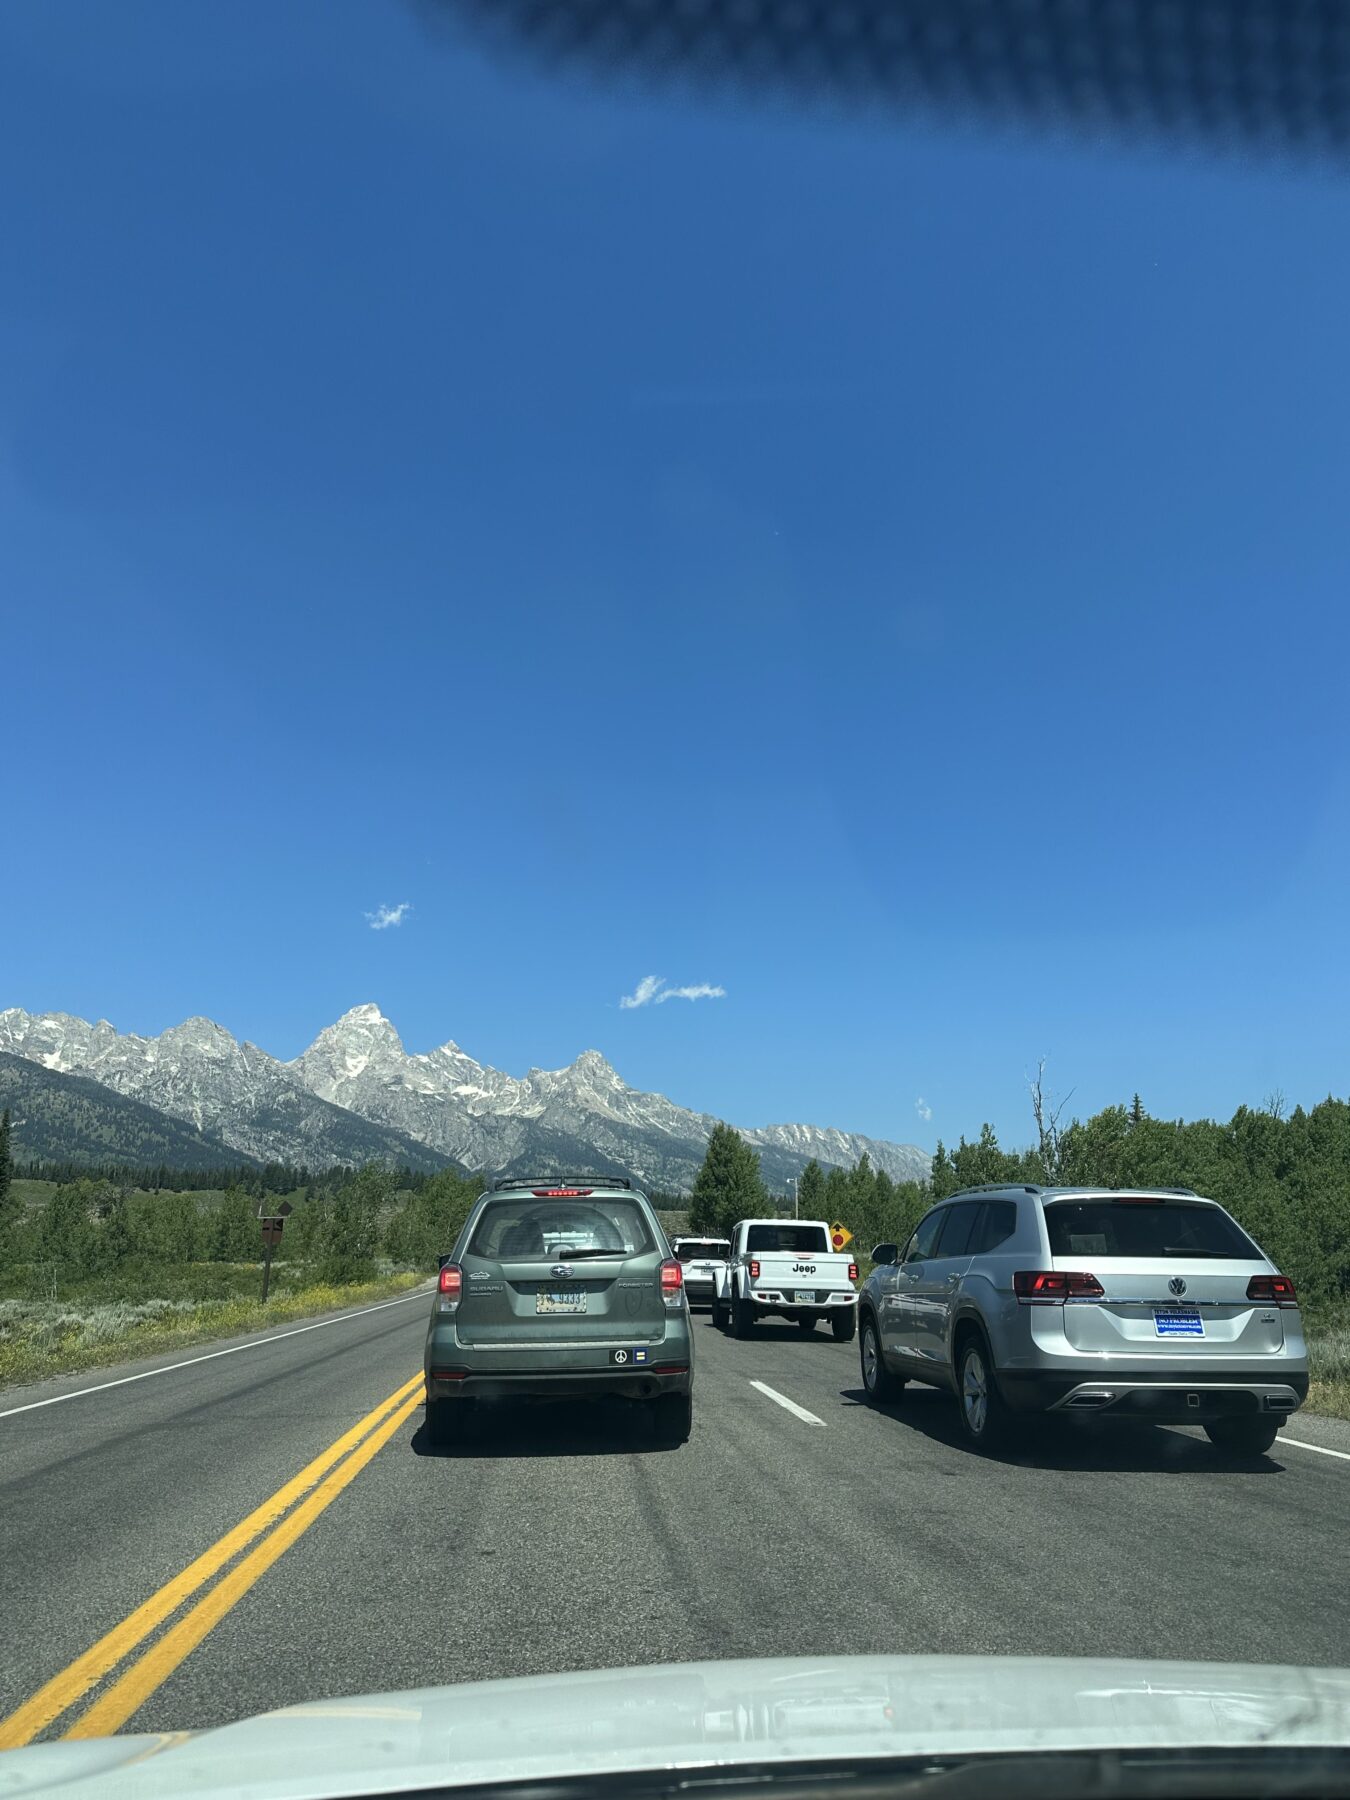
560 1287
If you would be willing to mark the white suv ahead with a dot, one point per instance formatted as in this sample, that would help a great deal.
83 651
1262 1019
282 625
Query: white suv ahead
1148 1306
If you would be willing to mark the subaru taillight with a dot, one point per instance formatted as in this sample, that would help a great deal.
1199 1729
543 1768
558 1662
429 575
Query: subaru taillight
754 1271
1278 1289
451 1282
1057 1284
672 1278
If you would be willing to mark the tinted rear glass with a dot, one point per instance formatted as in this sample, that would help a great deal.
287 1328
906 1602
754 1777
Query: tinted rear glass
693 1251
957 1228
997 1224
536 1228
1170 1230
794 1240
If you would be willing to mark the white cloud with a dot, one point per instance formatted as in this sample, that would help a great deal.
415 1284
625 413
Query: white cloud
923 1109
703 991
652 991
385 916
644 993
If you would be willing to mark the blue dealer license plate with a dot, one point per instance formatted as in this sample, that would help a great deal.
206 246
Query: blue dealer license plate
1178 1321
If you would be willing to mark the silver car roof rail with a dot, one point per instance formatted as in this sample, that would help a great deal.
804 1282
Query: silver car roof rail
994 1187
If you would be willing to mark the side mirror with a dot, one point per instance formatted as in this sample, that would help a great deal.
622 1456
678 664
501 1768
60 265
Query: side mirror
884 1253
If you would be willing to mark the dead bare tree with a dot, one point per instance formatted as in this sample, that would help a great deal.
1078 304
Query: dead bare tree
1048 1114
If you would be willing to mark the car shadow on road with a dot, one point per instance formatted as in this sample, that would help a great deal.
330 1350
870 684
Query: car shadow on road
782 1331
502 1429
1082 1445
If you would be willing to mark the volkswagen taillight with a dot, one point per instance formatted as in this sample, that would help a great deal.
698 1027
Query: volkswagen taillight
1057 1284
1276 1288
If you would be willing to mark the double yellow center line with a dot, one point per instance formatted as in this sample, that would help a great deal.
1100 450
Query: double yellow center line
278 1522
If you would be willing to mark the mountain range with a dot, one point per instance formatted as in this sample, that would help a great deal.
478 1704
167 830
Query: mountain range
357 1095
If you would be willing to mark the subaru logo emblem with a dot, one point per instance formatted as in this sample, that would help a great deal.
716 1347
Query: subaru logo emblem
1176 1285
566 1269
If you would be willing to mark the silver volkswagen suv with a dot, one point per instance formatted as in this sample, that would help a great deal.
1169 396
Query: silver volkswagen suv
1148 1305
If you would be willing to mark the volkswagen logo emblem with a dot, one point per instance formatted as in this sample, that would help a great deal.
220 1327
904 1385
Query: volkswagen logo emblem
1176 1285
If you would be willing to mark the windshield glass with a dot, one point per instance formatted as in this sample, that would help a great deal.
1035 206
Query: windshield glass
1163 1230
630 628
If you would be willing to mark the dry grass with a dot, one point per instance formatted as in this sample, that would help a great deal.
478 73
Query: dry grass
1329 1367
39 1338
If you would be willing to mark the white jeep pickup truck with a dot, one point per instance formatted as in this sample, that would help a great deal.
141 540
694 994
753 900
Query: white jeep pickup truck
786 1267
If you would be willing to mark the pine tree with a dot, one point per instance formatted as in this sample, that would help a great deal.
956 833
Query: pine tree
1137 1113
728 1187
943 1179
811 1191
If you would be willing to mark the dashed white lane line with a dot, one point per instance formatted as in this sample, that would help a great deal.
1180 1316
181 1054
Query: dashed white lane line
1318 1449
418 1293
790 1405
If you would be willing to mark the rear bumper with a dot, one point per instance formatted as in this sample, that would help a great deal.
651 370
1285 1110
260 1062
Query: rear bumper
646 1383
825 1300
1163 1397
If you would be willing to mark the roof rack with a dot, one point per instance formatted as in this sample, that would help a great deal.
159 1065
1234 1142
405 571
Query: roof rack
539 1181
995 1187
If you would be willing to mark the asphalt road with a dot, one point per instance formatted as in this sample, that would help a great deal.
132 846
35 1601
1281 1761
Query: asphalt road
565 1539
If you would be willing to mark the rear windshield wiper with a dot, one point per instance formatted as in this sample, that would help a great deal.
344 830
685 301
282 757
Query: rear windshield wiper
592 1250
1180 1250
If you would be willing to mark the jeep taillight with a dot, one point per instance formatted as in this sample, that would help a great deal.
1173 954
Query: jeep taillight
1057 1284
1278 1289
451 1285
754 1271
853 1271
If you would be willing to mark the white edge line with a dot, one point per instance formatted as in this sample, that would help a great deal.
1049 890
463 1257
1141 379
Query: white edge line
783 1400
418 1293
1319 1449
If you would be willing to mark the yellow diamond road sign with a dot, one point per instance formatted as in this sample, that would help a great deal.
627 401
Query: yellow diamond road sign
839 1236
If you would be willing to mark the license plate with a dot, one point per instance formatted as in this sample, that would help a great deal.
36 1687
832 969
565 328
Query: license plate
560 1300
1178 1321
805 1296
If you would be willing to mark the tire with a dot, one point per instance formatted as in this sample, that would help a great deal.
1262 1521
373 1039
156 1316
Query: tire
742 1317
1244 1437
844 1325
673 1419
806 1326
719 1314
878 1381
985 1420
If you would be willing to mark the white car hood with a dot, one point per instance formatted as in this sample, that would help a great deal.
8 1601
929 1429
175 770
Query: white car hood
683 1714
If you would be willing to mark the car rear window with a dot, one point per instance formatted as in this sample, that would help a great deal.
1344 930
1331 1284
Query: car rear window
1167 1229
527 1227
791 1240
998 1221
957 1227
700 1250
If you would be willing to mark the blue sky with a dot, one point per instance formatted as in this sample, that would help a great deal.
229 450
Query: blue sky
897 576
